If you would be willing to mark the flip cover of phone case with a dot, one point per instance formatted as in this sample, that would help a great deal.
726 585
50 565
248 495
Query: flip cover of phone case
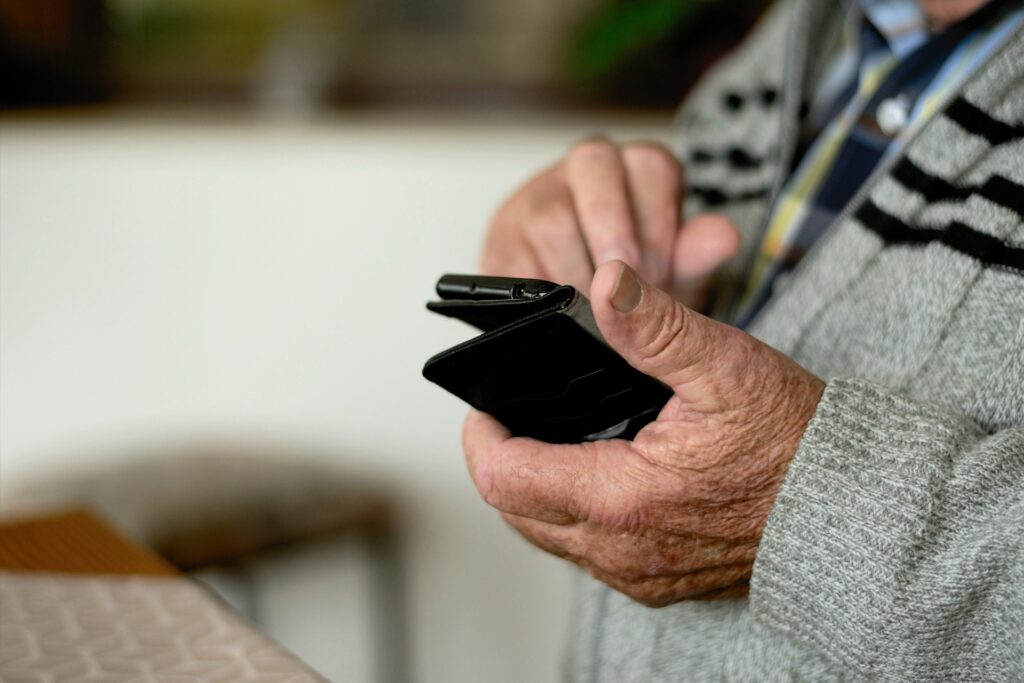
541 366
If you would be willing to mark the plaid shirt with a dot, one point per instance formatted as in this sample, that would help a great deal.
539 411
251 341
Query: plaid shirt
888 79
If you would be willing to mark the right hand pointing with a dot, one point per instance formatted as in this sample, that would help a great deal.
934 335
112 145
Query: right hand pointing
604 202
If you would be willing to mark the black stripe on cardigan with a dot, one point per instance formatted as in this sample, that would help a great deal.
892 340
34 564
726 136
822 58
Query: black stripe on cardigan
976 121
996 189
989 250
736 158
713 196
733 100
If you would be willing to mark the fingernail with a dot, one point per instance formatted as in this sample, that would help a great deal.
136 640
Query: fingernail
627 292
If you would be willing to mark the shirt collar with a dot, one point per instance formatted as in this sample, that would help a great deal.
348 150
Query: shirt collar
900 22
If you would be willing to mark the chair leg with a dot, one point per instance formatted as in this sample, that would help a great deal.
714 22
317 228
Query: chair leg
390 642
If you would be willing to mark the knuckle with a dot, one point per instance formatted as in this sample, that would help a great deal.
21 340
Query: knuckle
651 595
664 335
577 547
490 496
590 151
634 571
609 510
622 568
652 601
653 159
511 520
578 487
650 592
689 586
622 519
484 479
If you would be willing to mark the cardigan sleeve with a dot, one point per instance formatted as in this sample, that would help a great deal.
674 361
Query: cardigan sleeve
896 544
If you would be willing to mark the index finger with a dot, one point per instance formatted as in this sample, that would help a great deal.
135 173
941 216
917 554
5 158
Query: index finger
555 483
597 179
655 180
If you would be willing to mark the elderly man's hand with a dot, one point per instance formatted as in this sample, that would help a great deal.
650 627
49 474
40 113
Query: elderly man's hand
601 202
678 512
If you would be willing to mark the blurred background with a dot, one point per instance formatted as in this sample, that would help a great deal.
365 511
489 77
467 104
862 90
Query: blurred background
219 222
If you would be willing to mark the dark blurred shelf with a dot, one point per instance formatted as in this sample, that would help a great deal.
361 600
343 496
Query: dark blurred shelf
73 52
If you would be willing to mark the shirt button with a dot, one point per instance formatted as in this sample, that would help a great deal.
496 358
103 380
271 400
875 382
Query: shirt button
892 115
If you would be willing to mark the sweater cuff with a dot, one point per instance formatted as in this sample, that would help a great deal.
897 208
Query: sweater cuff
853 509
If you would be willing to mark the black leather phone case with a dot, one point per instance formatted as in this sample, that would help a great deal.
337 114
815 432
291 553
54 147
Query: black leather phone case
541 366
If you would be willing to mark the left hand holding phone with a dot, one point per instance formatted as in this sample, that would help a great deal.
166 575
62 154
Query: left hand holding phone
678 512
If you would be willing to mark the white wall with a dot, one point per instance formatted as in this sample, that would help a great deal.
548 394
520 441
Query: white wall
243 279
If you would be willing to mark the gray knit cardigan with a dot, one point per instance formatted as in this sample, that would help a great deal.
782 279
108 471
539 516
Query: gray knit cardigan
895 550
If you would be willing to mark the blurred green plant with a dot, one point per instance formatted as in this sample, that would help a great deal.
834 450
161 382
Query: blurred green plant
649 52
620 28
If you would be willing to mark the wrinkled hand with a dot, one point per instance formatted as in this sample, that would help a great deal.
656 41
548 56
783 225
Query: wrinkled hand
605 202
678 512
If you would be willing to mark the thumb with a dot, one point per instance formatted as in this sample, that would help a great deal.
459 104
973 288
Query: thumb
653 332
702 245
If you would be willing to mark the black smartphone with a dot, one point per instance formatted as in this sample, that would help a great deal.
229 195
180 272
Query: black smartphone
541 366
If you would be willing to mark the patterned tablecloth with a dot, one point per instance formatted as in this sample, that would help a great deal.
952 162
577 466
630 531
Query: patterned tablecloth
80 602
140 628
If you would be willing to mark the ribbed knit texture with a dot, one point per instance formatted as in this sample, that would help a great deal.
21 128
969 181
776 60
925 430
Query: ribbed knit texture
894 551
895 546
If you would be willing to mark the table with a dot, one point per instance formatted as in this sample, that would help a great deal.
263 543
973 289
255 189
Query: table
78 600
